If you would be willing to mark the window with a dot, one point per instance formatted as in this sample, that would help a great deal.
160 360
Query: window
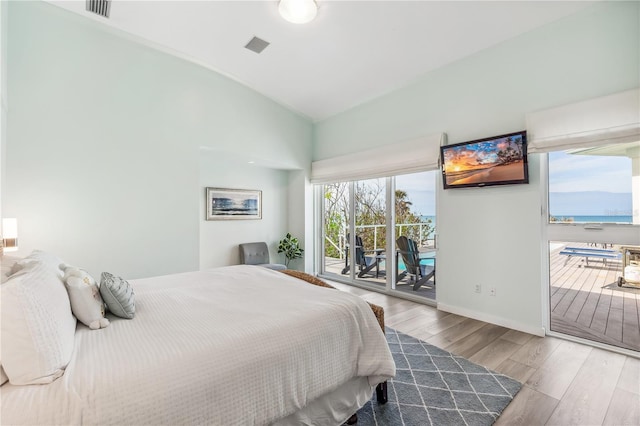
590 185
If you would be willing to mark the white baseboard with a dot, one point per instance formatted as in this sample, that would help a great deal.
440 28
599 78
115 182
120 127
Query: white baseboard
482 316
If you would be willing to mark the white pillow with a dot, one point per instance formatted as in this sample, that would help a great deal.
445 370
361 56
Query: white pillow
5 271
38 328
84 295
8 263
43 257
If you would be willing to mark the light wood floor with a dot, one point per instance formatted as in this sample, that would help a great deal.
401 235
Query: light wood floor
565 383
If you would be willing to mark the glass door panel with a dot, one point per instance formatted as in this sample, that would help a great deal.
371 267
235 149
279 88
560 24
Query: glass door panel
415 221
336 226
592 219
370 231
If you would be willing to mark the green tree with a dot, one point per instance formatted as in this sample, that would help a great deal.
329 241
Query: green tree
370 210
404 215
336 201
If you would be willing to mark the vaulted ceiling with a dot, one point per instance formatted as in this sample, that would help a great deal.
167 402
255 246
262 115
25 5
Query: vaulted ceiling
352 52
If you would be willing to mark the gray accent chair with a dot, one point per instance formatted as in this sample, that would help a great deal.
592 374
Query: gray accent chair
258 254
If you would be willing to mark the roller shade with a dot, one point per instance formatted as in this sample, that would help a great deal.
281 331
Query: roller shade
411 156
600 121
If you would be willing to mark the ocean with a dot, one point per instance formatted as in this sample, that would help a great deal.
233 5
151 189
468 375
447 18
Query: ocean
576 219
595 219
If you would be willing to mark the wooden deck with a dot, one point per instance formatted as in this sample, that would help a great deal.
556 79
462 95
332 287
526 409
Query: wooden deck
428 290
586 302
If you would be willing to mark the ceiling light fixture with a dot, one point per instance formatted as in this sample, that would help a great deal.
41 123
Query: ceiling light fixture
298 11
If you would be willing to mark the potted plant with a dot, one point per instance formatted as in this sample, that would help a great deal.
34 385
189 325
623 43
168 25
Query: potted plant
291 248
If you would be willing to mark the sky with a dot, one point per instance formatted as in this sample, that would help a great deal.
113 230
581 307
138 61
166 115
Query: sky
589 185
420 188
587 177
578 173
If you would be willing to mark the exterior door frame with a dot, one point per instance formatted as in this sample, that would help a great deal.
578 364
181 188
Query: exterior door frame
598 233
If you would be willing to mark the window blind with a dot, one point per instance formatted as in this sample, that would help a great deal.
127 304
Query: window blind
411 156
601 121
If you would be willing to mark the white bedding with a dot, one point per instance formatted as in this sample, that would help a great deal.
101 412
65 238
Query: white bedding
239 345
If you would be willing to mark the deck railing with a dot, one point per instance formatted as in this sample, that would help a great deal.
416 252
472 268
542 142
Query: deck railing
423 235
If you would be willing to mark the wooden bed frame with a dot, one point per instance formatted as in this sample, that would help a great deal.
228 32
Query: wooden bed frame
381 389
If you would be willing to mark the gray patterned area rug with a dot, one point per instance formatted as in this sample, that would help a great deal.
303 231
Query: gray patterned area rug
435 387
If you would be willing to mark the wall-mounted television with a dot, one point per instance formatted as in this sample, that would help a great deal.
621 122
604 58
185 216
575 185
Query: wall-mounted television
498 160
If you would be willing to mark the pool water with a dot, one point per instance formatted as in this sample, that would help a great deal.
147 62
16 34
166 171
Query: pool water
402 267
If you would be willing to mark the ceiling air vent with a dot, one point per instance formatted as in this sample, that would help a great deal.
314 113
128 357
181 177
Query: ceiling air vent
257 45
101 7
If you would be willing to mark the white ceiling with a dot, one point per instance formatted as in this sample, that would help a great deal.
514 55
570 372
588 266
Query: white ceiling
352 52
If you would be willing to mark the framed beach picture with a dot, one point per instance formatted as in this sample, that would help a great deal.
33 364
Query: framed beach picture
224 204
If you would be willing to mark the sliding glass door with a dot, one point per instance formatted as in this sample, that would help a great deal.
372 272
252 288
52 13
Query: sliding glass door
364 225
592 226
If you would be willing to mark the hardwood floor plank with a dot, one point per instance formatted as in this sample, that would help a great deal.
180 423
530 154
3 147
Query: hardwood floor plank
415 326
517 337
477 341
528 408
536 351
495 353
445 323
408 313
630 376
555 375
623 410
587 400
455 333
515 370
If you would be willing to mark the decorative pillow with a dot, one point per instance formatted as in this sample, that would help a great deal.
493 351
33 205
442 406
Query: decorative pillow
84 294
118 295
38 328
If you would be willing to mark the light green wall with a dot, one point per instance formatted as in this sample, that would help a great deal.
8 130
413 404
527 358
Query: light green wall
492 236
219 239
590 54
103 158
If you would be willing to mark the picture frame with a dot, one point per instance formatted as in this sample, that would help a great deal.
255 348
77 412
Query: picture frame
233 204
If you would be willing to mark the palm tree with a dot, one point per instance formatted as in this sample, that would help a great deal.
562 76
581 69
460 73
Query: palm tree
403 205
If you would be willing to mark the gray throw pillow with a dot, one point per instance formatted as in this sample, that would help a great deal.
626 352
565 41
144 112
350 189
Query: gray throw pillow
118 295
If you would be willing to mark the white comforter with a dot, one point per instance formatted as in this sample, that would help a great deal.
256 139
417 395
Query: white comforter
238 345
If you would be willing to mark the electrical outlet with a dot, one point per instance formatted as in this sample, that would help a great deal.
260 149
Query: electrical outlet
492 291
478 288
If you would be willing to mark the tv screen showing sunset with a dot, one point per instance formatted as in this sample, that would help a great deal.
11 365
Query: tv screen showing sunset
493 160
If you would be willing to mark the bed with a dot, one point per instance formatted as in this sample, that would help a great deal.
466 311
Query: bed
237 345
